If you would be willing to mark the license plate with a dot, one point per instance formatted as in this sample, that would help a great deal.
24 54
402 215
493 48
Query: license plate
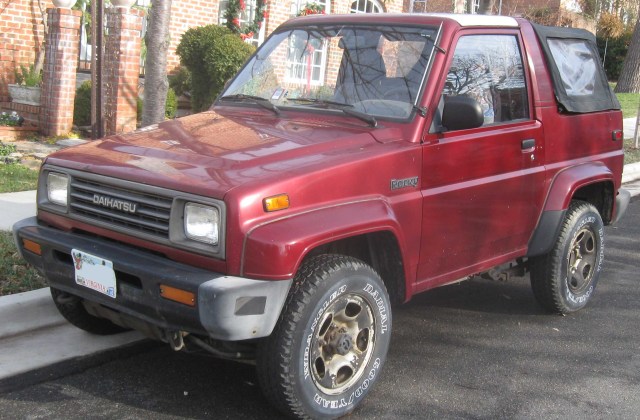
94 272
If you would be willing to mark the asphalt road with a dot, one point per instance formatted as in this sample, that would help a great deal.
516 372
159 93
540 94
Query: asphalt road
475 350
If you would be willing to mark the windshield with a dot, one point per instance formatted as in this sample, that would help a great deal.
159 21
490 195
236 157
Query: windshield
377 71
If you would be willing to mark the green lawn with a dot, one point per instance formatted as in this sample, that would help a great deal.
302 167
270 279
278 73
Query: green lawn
15 177
629 103
15 275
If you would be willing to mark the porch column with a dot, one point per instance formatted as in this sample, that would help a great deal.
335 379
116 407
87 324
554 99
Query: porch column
121 69
59 72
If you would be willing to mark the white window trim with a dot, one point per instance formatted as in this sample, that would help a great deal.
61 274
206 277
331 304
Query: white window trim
323 64
252 4
376 5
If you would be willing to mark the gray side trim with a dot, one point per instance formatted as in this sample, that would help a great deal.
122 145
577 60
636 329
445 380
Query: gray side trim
236 308
546 232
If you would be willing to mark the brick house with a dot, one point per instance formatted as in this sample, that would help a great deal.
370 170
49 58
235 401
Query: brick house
22 33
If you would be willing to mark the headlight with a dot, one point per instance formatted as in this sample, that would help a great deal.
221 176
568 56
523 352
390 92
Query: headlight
201 223
57 188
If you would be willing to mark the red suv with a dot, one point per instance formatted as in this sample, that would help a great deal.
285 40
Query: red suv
353 162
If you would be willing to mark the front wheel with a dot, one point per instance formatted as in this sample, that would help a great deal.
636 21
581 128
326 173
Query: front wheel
330 342
71 308
564 280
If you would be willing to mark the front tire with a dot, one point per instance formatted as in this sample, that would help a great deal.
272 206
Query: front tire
565 279
71 308
330 342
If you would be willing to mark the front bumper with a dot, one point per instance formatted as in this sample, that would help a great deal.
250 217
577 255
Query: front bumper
227 308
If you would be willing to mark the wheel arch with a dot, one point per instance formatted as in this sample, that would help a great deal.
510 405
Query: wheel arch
365 230
591 182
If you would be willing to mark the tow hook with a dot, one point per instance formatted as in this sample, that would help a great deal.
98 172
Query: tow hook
176 339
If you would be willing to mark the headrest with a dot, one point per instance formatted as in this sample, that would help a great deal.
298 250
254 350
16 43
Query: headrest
351 41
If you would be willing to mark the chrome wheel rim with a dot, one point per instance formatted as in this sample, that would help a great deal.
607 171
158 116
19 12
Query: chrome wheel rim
582 261
342 343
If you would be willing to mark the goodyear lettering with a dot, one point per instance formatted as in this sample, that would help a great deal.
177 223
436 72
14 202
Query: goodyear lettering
357 393
382 309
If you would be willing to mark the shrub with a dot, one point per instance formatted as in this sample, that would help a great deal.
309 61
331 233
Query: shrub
28 76
180 82
139 106
616 51
82 105
171 105
213 54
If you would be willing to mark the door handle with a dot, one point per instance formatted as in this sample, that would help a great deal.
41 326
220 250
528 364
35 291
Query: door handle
528 145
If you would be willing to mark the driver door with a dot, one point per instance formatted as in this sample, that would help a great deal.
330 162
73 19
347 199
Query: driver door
482 187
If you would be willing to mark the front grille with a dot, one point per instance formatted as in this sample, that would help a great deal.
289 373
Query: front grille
151 215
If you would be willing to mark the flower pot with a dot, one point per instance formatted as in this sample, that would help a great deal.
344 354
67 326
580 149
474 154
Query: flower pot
64 4
25 94
123 3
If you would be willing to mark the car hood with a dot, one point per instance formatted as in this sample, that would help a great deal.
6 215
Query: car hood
210 153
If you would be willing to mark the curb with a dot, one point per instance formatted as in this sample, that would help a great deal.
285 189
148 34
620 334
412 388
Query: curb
631 172
28 311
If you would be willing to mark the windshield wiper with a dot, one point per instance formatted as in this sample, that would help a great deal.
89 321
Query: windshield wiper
344 107
320 102
263 102
370 119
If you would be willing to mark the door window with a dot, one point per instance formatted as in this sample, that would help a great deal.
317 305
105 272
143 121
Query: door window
489 69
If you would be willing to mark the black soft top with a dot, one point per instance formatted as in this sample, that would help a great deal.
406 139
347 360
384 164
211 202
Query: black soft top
579 82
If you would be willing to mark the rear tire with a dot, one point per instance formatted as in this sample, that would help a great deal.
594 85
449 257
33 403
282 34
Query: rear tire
330 342
71 308
565 279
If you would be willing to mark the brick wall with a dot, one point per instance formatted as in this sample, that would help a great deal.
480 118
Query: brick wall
122 69
185 15
59 73
21 35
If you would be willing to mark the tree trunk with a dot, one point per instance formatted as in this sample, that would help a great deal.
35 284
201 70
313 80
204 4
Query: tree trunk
39 61
156 84
629 81
486 7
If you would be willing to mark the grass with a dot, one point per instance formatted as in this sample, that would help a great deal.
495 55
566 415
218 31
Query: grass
629 103
15 177
631 154
15 275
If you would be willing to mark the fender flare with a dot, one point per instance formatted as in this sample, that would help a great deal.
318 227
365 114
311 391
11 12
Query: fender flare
274 250
562 189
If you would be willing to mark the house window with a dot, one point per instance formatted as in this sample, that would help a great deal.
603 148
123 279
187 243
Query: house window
472 6
366 6
306 59
298 5
246 16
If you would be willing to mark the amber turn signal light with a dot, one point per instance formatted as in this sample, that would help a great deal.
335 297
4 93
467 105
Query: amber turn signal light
275 203
32 246
178 295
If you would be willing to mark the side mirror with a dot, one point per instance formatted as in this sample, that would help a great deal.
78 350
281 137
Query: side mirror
461 113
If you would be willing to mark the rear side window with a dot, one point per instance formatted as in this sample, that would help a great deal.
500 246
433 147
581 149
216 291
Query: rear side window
579 82
489 69
577 66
